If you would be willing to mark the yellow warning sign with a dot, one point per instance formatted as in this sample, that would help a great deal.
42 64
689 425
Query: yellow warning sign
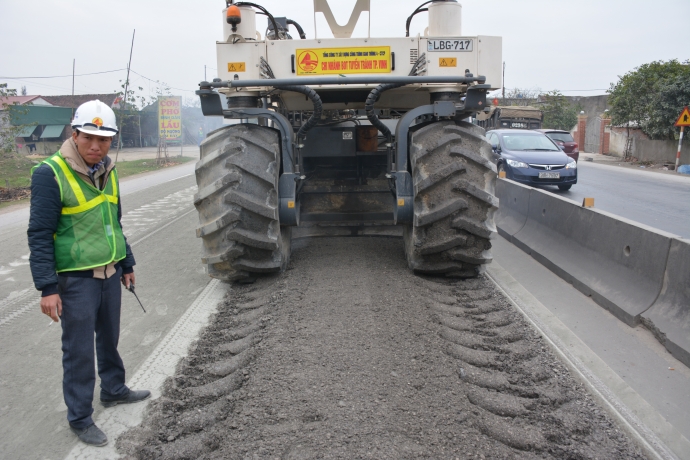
291 205
237 67
337 61
401 202
447 62
684 118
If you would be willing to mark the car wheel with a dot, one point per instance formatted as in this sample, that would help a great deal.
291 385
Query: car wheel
565 188
500 168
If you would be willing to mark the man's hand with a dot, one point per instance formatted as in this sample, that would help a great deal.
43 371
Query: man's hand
127 280
51 305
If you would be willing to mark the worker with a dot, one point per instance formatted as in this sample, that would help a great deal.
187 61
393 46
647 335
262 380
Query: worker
79 255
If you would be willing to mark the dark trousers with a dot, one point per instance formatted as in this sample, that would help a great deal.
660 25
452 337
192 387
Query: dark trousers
90 306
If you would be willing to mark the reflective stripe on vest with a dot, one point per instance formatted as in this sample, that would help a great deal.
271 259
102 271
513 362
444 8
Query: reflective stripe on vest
88 234
83 204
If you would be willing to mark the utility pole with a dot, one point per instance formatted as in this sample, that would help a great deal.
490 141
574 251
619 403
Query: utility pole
124 101
504 81
74 64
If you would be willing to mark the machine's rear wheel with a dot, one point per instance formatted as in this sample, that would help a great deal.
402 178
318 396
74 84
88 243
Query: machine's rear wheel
237 201
454 181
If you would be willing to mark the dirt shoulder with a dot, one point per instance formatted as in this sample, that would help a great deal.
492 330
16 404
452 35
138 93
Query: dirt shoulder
15 171
350 355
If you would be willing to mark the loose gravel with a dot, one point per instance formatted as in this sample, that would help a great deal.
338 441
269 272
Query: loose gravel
349 355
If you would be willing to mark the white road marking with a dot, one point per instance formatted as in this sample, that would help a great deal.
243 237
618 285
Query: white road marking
14 297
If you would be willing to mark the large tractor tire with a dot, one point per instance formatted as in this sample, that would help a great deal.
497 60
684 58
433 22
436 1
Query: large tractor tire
237 201
454 200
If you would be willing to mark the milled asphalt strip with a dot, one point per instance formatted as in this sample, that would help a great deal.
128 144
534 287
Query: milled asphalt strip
615 396
152 373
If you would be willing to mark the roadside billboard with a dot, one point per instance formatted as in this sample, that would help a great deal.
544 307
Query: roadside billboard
170 118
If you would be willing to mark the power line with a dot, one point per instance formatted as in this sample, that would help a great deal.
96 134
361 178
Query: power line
64 76
161 82
47 86
598 89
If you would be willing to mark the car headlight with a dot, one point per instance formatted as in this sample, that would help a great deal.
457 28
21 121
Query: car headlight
571 165
517 164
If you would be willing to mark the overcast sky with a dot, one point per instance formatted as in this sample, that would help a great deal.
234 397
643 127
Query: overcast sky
576 46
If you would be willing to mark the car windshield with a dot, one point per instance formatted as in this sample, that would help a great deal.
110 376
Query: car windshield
562 137
528 142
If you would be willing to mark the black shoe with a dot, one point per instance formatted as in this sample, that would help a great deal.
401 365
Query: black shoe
91 435
129 398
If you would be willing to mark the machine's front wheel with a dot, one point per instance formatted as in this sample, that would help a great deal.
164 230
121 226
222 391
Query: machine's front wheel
454 200
237 202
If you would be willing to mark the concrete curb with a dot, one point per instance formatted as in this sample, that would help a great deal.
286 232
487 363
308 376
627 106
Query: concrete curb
151 375
626 267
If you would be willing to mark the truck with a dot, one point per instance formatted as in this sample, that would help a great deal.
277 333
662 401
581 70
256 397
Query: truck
510 117
347 136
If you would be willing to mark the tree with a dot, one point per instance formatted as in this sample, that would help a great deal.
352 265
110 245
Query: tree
130 105
558 113
520 96
672 97
651 97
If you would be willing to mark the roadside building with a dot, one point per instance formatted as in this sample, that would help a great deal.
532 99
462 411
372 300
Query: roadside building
43 127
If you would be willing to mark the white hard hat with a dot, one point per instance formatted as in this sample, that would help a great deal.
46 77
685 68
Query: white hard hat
94 117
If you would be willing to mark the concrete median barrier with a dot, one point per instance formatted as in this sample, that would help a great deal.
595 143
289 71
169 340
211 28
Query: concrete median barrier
669 317
513 207
618 262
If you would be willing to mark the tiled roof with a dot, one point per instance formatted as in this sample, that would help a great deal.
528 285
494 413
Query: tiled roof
75 101
10 100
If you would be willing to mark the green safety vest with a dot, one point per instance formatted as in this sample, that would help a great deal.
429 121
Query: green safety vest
88 233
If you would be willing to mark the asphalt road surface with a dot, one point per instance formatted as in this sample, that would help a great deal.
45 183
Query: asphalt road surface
159 220
658 200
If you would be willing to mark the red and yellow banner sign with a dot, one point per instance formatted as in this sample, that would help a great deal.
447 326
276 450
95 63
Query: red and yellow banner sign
170 117
336 61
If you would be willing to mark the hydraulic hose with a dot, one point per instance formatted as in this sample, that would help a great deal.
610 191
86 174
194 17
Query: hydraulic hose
300 31
318 107
376 94
373 97
263 11
420 9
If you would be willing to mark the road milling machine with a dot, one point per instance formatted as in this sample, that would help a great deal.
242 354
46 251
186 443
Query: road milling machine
347 136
